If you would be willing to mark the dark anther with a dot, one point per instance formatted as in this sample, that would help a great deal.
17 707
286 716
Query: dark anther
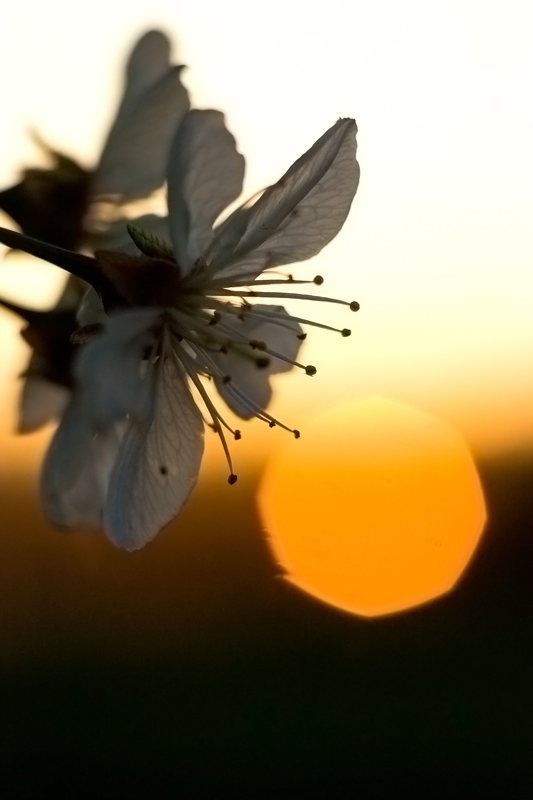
215 318
346 332
262 362
302 336
290 278
232 479
226 379
223 350
272 424
237 435
296 434
253 344
163 470
310 370
354 306
318 280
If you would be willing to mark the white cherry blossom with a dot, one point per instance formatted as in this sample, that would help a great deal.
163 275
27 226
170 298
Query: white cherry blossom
127 452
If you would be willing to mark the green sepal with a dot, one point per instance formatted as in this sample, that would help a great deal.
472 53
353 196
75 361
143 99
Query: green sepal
149 244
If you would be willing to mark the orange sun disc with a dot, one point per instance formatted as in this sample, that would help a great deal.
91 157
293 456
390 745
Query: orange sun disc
377 508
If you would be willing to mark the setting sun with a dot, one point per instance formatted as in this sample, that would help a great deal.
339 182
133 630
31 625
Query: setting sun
376 509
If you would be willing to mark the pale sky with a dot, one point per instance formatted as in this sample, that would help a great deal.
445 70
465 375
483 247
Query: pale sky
437 248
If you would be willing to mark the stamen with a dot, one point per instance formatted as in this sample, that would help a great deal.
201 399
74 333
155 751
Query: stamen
259 345
354 306
249 404
217 419
309 369
214 287
259 412
222 338
278 319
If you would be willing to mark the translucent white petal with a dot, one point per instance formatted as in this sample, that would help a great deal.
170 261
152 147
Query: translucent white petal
76 471
296 217
110 369
148 62
247 379
205 175
134 160
158 463
41 401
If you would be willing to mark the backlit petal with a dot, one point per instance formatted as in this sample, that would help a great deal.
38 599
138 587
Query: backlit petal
205 176
76 470
110 370
296 217
134 159
158 463
41 401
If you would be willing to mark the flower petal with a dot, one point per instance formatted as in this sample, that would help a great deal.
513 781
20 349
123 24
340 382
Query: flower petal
148 62
110 369
41 401
76 470
158 462
134 159
248 382
296 217
205 175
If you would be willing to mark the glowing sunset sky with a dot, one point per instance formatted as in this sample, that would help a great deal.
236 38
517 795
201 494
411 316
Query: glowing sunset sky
437 248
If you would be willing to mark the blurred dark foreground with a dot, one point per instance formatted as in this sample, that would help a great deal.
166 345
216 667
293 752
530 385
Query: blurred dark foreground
193 670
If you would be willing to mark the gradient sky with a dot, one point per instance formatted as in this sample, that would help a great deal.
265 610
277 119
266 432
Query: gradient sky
437 248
